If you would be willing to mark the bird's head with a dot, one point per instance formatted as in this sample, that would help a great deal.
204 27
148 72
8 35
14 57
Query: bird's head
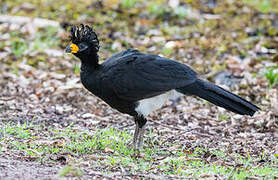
84 41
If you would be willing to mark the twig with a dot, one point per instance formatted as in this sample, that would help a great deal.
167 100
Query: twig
167 126
179 129
7 99
148 176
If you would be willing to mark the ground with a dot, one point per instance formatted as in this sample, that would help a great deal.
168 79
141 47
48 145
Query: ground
53 128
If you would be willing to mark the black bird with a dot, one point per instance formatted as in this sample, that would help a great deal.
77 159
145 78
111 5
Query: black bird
137 84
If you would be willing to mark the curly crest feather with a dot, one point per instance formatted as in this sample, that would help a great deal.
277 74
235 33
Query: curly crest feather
83 33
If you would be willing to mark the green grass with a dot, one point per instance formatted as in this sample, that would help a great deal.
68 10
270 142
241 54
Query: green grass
70 170
18 47
46 38
159 10
111 150
223 117
271 75
22 45
264 6
129 3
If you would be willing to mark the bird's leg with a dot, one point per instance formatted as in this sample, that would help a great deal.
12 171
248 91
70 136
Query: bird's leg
139 131
135 137
140 136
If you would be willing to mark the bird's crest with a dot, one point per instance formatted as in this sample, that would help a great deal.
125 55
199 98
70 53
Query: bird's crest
83 33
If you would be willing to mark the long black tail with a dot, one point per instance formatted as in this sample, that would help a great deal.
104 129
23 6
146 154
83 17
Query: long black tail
219 97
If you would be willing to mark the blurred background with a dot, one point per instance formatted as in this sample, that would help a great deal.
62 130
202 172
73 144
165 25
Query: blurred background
230 42
210 35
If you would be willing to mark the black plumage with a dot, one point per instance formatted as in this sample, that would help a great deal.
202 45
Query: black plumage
130 81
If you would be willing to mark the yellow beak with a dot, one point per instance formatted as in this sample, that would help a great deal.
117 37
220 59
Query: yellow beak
73 48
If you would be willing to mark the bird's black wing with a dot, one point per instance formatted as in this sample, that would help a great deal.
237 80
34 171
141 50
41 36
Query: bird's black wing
136 76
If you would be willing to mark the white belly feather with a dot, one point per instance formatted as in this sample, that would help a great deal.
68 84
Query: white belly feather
147 106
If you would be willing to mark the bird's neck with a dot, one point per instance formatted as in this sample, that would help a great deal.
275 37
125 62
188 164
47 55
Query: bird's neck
89 62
